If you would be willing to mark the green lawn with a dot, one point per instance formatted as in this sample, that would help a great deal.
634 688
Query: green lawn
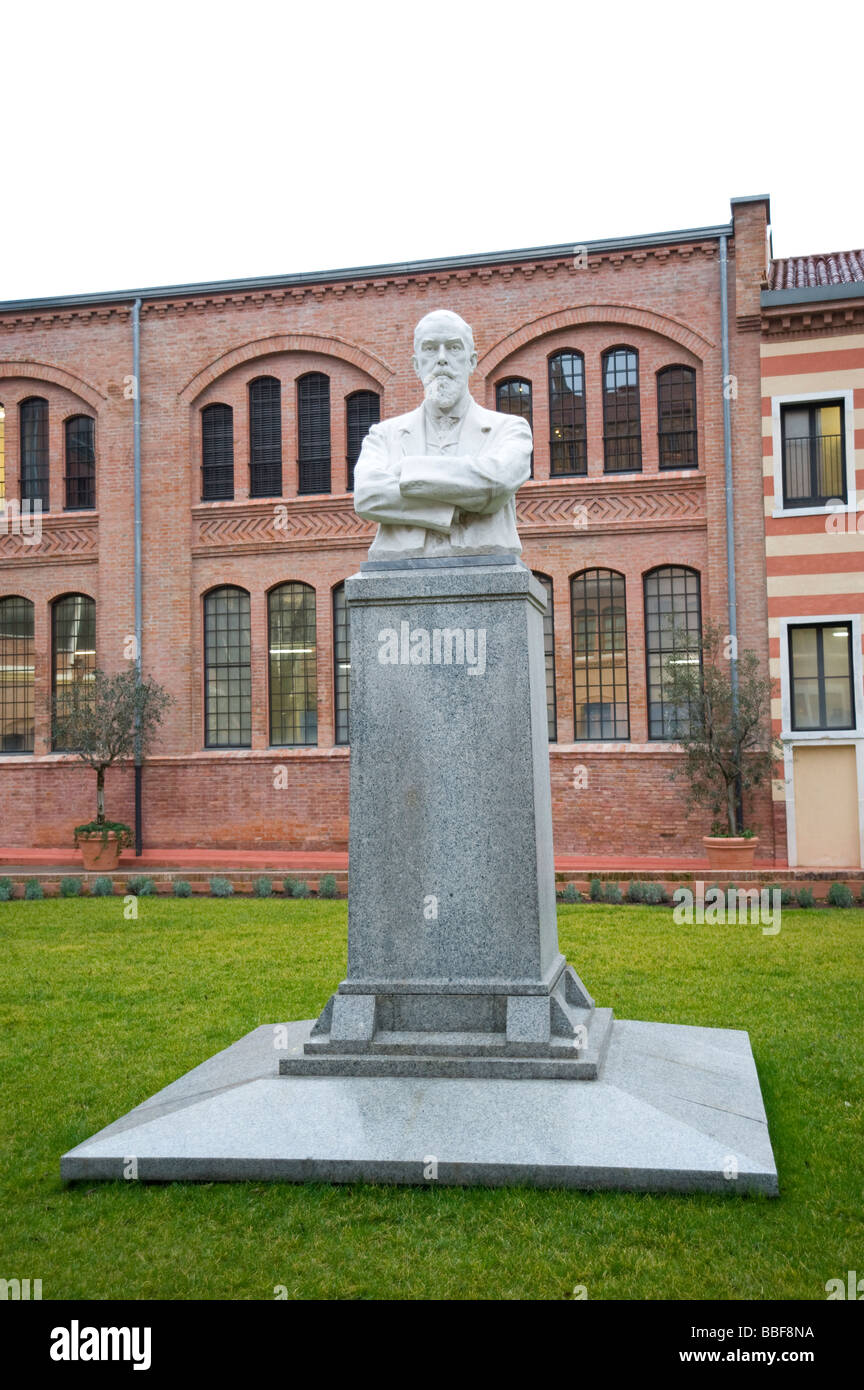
98 1013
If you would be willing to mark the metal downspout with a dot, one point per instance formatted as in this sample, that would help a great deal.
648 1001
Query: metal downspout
136 434
727 459
730 489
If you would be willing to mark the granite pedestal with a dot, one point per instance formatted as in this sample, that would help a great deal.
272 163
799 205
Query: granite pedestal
461 1047
453 960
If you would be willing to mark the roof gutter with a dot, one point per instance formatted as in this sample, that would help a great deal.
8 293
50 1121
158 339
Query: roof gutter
371 272
812 294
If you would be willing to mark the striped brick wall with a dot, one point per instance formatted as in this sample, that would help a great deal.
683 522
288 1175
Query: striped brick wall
814 557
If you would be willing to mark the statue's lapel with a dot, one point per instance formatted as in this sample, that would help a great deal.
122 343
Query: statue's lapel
412 435
475 431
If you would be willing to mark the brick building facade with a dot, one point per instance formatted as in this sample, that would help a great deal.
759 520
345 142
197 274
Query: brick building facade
812 431
615 349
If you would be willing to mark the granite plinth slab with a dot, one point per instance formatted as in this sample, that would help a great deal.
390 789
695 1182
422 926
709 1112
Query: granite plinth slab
493 556
675 1108
470 1055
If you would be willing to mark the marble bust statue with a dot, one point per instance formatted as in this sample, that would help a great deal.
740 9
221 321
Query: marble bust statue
442 479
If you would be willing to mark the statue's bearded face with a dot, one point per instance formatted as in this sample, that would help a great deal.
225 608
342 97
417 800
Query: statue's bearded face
443 360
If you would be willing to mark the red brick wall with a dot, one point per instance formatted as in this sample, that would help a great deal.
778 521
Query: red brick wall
665 302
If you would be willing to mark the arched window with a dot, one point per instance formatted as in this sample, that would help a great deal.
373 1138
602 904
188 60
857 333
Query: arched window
217 453
676 417
2 456
622 430
568 446
33 415
549 655
601 706
227 669
17 664
313 433
673 614
362 411
293 666
265 437
80 464
513 397
73 651
341 665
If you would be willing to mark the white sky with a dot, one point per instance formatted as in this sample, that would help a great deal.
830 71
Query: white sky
166 143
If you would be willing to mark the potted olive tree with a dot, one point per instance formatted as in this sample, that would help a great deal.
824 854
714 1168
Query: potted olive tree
725 733
103 721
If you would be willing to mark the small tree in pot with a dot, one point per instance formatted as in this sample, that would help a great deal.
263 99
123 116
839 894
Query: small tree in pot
103 721
726 734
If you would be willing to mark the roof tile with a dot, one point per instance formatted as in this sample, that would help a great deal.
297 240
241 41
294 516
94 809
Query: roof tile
809 272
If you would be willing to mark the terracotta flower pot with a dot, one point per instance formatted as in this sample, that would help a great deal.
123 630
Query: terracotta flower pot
98 853
730 851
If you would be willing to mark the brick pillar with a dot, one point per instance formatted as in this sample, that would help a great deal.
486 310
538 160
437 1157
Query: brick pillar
750 217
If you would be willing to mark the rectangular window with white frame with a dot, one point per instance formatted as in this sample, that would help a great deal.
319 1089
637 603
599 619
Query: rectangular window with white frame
814 453
814 465
822 693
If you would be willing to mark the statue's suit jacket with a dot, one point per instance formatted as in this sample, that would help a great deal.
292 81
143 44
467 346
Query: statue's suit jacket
442 505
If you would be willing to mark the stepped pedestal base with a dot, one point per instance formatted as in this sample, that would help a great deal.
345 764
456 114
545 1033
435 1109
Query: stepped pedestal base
674 1109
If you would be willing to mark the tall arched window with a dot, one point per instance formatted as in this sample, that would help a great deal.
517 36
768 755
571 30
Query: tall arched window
265 437
33 415
313 433
673 614
293 666
227 669
549 655
2 455
676 417
73 650
17 664
217 453
601 706
341 665
568 446
622 430
80 463
513 397
362 411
